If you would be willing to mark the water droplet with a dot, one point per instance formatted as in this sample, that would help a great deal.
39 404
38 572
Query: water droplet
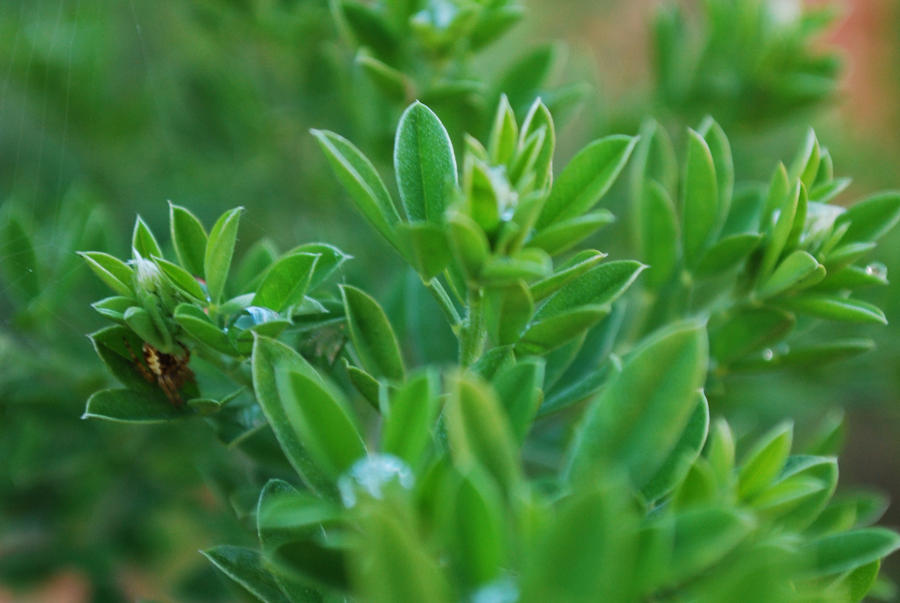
370 476
502 590
877 269
768 354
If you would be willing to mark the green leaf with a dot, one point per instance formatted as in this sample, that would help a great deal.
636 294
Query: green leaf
476 529
114 307
686 450
720 451
143 241
508 309
119 348
331 259
703 537
700 200
181 279
504 134
872 218
846 254
479 432
469 245
219 250
806 164
746 332
765 460
319 416
270 357
792 271
20 262
778 194
140 321
654 160
847 551
188 238
524 78
424 164
428 249
854 277
781 231
564 235
727 254
411 418
835 308
658 233
286 281
245 566
586 178
365 384
357 174
599 286
550 333
518 388
198 325
369 27
111 270
638 418
580 263
720 150
538 118
373 338
131 406
858 582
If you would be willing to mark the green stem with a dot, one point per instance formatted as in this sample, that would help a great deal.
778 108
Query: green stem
446 304
472 338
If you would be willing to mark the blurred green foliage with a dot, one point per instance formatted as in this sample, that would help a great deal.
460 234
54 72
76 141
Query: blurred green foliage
110 108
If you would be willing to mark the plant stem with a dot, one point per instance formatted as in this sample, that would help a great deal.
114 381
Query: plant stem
446 304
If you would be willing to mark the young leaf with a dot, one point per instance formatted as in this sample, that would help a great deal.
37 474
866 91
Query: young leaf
286 281
537 119
181 279
638 418
781 231
704 536
508 310
373 338
765 460
724 165
331 259
554 331
198 325
700 200
793 270
580 263
427 247
319 416
362 181
219 250
748 331
111 270
504 134
477 529
143 241
424 164
586 178
728 253
188 237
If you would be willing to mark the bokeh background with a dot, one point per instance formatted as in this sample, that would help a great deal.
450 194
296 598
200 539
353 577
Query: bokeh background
110 107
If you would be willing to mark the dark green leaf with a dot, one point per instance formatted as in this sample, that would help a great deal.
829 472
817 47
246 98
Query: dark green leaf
601 285
747 332
411 418
728 253
518 388
572 269
219 250
362 181
373 338
319 416
700 200
245 566
657 233
508 309
286 281
188 238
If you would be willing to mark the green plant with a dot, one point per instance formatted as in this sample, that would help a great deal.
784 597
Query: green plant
381 481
